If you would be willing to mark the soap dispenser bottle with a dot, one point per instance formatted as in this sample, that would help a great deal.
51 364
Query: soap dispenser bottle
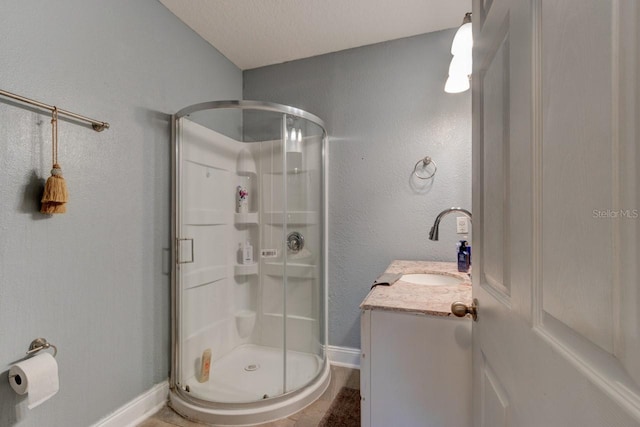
464 256
247 253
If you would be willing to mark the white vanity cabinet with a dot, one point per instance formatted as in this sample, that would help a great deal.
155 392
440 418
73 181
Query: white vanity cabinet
415 370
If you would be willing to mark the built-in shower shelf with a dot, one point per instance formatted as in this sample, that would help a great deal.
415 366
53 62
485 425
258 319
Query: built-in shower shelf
302 271
292 217
245 164
245 269
245 321
246 218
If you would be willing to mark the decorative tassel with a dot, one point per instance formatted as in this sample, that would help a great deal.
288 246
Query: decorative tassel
55 190
53 208
55 193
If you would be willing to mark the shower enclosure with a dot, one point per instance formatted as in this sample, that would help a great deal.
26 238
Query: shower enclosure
249 329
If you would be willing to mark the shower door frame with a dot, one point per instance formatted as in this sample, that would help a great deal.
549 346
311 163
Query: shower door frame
176 172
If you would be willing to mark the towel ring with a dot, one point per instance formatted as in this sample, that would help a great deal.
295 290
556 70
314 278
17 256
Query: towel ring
423 173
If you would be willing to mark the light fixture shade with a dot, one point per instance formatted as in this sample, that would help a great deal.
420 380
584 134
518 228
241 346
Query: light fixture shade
463 40
461 65
456 84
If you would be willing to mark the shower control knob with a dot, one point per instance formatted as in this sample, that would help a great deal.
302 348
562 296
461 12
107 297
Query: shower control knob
295 241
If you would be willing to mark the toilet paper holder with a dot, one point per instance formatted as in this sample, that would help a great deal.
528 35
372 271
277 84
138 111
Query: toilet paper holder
41 344
37 345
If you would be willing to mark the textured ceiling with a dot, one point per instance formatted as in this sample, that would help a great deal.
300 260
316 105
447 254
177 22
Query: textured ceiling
254 33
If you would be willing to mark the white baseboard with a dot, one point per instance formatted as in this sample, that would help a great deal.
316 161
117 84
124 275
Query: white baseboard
344 356
139 409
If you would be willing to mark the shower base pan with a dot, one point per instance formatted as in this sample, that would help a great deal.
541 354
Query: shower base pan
253 373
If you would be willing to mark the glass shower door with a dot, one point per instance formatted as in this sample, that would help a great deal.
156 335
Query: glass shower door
303 229
205 274
266 128
231 310
257 328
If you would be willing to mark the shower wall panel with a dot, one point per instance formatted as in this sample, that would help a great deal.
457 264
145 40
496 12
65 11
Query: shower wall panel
213 293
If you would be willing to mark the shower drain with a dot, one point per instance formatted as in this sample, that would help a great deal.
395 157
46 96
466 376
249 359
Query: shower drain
252 367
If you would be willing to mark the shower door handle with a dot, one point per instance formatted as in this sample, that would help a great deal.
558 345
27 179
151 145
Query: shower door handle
178 251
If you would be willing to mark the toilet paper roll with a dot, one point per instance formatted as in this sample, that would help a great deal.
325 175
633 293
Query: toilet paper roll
37 376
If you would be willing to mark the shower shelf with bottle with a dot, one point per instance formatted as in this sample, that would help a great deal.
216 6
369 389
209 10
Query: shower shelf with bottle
293 217
245 269
246 218
301 271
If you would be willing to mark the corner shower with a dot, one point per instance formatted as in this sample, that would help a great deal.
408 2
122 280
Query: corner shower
249 276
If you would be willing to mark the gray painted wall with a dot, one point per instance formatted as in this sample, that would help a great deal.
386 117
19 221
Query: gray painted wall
385 108
93 281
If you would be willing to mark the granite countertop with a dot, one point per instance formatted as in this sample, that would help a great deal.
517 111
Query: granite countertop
409 297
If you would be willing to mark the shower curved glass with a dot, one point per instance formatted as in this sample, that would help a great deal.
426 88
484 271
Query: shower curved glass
249 329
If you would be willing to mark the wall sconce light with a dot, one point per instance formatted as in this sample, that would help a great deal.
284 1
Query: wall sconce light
462 61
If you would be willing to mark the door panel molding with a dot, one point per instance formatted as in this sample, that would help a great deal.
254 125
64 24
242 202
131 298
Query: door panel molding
608 366
495 400
536 160
494 271
627 344
600 367
574 99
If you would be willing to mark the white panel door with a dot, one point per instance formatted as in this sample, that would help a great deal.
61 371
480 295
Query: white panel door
556 150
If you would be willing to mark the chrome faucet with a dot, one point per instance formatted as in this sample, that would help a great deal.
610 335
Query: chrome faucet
433 234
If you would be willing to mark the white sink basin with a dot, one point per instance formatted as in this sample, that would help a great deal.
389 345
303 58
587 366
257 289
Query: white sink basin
430 279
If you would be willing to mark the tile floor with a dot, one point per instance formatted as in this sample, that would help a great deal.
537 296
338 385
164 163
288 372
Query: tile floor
308 417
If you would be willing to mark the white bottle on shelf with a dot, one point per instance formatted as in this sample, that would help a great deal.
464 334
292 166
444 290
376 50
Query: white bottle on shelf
247 253
240 258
